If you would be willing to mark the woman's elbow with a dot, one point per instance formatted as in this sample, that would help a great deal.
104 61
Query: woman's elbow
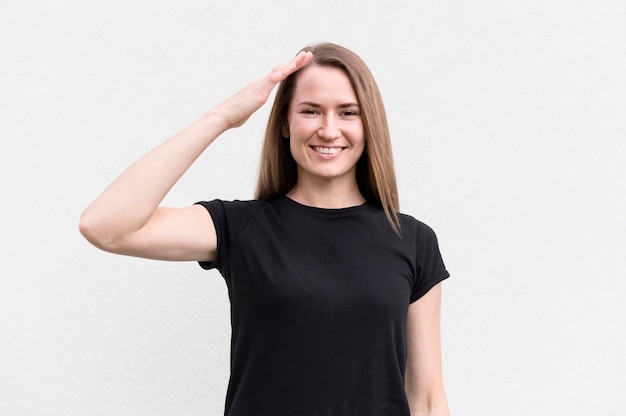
96 232
434 404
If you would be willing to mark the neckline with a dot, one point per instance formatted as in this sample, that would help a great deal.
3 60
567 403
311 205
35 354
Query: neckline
311 208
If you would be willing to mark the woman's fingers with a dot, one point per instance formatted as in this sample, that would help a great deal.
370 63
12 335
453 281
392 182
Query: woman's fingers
283 70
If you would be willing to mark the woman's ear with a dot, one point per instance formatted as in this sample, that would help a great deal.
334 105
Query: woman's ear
284 130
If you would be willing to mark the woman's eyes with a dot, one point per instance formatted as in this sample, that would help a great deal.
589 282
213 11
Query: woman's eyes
349 113
341 114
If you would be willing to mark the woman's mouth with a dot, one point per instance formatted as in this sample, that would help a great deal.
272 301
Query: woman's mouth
327 150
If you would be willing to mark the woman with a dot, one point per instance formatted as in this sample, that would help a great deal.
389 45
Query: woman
335 295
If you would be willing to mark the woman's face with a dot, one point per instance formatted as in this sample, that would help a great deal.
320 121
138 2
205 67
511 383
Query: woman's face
324 125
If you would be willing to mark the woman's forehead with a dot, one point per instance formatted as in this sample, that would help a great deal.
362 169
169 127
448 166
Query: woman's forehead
324 82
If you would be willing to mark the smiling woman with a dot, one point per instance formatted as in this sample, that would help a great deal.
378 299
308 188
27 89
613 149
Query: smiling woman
335 295
360 100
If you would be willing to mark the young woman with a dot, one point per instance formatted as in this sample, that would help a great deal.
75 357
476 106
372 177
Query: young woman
335 295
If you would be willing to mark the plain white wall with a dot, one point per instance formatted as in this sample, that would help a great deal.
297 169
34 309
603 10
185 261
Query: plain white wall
508 122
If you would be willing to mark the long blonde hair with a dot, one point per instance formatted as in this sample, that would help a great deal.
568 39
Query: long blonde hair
374 173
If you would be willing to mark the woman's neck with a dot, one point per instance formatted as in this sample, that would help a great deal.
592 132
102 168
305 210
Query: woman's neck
326 195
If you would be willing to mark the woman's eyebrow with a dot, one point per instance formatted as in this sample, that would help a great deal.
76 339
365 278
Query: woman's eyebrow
312 104
309 104
349 105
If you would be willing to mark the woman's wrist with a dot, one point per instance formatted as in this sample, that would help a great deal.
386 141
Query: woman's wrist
214 122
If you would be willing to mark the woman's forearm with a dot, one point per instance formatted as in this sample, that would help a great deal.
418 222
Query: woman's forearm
130 200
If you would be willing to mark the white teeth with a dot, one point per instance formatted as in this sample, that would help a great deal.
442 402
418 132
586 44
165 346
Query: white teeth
327 150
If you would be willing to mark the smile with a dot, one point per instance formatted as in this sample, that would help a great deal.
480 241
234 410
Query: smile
327 150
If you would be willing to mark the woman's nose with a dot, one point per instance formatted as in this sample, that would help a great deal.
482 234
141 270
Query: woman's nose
329 129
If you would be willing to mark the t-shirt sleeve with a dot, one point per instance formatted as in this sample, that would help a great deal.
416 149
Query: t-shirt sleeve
229 219
429 266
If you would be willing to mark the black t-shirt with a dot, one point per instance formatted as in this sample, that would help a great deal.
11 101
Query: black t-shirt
319 300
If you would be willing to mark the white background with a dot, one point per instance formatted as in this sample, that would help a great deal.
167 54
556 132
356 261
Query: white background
508 121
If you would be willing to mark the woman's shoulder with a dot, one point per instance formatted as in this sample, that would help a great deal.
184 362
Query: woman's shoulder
412 225
243 209
235 203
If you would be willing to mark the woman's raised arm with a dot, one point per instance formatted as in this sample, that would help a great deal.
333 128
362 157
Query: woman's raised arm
126 217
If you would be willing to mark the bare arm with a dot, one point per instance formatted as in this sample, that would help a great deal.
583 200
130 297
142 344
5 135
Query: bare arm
126 217
424 376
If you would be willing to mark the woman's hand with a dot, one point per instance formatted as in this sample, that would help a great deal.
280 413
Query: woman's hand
237 109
